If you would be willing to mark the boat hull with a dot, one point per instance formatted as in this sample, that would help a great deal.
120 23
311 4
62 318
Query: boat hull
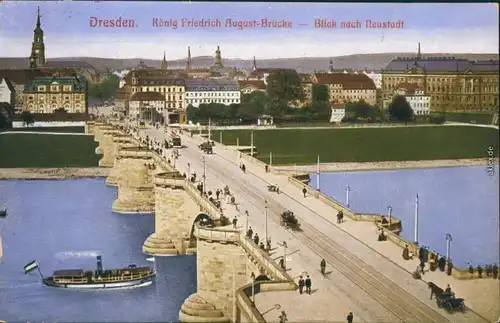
146 281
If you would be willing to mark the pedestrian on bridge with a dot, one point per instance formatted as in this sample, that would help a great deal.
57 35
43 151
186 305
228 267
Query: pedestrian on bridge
250 232
217 193
256 239
301 285
323 266
268 242
350 317
304 191
235 221
308 285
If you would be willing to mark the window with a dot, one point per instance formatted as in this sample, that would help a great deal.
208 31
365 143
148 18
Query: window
41 88
54 88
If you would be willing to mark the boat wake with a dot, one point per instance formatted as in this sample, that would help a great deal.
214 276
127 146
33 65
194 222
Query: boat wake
151 259
77 254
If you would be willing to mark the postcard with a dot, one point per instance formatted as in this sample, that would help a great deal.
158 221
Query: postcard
249 162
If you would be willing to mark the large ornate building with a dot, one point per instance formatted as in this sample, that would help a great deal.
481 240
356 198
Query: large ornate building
48 94
453 84
212 91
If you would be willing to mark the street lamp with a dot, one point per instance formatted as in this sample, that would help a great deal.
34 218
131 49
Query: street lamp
389 210
284 253
189 172
252 276
265 207
204 175
449 239
248 216
347 190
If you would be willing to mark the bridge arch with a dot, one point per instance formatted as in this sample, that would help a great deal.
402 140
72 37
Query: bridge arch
192 221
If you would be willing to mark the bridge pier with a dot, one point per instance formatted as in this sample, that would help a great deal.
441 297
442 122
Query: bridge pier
222 267
89 127
173 212
118 143
107 148
135 185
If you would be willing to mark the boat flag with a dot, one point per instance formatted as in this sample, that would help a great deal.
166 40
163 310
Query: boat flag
30 267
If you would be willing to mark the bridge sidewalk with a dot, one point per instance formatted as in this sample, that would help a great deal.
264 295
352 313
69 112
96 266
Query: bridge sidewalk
482 295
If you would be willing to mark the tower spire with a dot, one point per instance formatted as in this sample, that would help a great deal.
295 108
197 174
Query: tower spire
419 54
164 61
38 18
330 67
254 64
188 61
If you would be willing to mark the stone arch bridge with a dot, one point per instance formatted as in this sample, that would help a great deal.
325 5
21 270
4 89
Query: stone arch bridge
225 256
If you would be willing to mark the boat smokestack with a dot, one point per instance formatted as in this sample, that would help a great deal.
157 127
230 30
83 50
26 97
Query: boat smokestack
99 264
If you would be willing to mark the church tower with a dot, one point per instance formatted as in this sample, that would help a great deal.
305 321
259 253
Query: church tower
218 58
419 53
164 65
188 61
254 64
37 57
330 67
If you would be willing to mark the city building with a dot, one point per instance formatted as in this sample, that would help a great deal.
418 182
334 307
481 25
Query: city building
222 91
345 87
47 94
7 91
249 86
376 76
338 113
415 96
147 106
172 88
453 84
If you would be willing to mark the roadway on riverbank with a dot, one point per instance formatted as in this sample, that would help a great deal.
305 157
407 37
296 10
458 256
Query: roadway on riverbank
324 239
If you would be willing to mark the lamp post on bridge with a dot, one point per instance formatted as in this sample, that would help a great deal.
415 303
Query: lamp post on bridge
449 239
347 190
189 172
265 207
204 175
252 276
248 218
389 211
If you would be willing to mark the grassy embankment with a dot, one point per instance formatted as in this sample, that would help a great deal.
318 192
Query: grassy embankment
302 146
43 151
73 129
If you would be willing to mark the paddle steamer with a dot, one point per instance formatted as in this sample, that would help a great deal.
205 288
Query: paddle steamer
98 279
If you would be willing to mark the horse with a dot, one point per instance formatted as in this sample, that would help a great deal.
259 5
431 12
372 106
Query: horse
435 289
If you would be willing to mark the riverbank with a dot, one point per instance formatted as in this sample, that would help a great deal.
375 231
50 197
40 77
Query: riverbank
53 173
389 165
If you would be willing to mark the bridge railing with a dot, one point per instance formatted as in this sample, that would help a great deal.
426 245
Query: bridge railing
216 234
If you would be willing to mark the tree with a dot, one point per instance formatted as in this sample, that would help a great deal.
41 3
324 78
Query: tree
284 86
360 110
28 118
400 109
252 105
321 109
191 113
320 93
106 89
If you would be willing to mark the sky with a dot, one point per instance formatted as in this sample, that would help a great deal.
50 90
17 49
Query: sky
445 28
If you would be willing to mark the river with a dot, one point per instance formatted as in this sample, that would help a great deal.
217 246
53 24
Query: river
461 201
64 225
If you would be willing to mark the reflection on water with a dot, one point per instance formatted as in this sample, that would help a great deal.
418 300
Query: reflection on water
64 225
461 201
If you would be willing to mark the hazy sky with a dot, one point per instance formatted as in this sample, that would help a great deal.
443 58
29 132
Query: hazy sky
466 28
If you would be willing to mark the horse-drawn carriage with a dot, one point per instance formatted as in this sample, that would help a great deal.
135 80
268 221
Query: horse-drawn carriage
288 220
450 303
206 147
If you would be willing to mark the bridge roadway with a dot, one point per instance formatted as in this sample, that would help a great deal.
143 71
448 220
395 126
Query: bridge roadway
374 295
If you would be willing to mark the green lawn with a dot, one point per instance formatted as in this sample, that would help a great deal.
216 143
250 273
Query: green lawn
478 118
73 129
38 150
301 146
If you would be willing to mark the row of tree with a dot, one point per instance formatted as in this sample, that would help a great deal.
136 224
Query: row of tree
106 89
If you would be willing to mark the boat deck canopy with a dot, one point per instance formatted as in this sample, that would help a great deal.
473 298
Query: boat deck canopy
69 273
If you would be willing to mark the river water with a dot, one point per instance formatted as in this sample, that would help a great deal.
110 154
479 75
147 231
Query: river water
461 201
64 225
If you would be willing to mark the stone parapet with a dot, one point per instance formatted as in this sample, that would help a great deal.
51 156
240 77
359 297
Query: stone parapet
99 129
195 309
173 211
135 186
89 127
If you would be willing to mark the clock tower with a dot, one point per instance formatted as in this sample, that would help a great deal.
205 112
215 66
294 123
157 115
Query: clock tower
37 57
